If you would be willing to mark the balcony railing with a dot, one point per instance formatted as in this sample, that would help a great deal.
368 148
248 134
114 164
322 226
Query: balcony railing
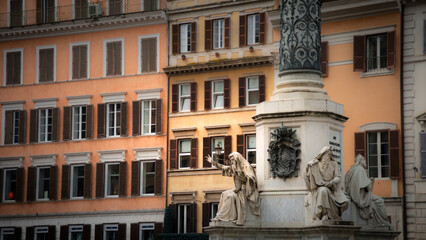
74 12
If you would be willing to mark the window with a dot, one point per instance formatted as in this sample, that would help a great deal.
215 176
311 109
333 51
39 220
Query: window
183 214
376 52
116 7
41 233
218 94
110 232
46 64
79 122
149 5
148 177
185 38
214 208
43 183
253 36
81 9
146 231
378 154
184 97
149 56
46 11
251 148
184 153
77 181
15 128
76 232
218 142
149 116
45 125
218 33
112 179
13 67
114 57
113 119
9 193
7 234
80 59
11 128
252 90
16 13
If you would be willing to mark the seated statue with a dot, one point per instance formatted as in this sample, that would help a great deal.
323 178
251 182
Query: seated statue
233 203
359 187
326 199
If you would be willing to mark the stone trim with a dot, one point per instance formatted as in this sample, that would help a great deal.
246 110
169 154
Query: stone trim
183 197
112 156
142 154
11 162
43 160
300 114
75 158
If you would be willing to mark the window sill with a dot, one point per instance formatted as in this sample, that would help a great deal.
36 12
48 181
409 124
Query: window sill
112 196
76 198
214 111
376 73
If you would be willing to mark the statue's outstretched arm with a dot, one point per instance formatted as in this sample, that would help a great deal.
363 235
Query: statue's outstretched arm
214 163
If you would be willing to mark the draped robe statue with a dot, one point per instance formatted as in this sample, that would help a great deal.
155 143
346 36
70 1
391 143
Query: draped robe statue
359 187
326 199
233 203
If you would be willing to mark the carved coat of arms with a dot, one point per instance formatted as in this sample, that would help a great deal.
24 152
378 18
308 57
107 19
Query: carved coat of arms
284 151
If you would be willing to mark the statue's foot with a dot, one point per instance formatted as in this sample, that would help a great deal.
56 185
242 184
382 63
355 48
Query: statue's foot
325 217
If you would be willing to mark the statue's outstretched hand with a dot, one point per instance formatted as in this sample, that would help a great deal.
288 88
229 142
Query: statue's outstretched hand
209 159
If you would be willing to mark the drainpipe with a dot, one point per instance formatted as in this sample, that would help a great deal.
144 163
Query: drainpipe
404 203
168 108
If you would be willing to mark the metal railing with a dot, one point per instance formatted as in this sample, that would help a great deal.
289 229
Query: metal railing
74 12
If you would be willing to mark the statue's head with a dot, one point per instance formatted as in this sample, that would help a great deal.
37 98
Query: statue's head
325 153
359 159
236 158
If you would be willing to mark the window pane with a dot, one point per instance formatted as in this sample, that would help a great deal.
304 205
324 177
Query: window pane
41 236
372 149
372 161
218 142
218 87
385 172
384 160
218 101
384 138
185 90
186 104
383 51
111 235
76 236
185 146
253 97
78 181
218 33
184 161
10 185
251 142
185 37
373 172
148 177
43 183
251 158
113 177
253 83
384 148
147 235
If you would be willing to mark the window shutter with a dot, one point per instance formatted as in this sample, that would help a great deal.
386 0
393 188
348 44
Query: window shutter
359 54
22 127
17 68
227 93
208 35
33 125
227 33
83 61
261 88
207 95
87 181
391 50
89 122
31 184
64 232
39 13
243 31
153 55
192 218
228 149
8 127
1 184
51 235
262 28
13 68
193 97
423 154
99 232
100 180
76 62
86 231
65 191
175 98
394 154
174 213
67 128
206 151
206 214
241 145
122 231
51 10
145 57
361 144
101 120
242 91
53 188
194 151
134 231
123 179
175 39
50 64
193 37
158 229
173 154
159 116
136 169
117 58
158 187
55 124
324 59
30 231
123 120
18 233
110 59
136 118
20 177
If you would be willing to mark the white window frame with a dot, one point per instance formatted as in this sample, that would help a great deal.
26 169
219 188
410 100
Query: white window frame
73 9
185 217
109 228
37 182
157 37
181 97
71 55
218 94
6 231
4 184
72 181
378 69
47 125
40 230
38 61
74 228
5 52
379 153
185 46
252 27
247 146
8 107
184 154
15 128
106 41
145 227
122 7
143 178
115 119
218 33
251 90
80 117
150 117
107 180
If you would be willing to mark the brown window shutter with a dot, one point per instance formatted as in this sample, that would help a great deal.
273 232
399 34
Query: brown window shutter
173 154
31 184
324 59
13 68
175 38
153 55
30 231
89 121
134 231
123 179
99 232
110 59
51 235
83 61
136 118
158 187
39 13
391 50
145 45
42 59
192 218
208 35
101 120
86 231
243 31
394 154
241 145
122 231
422 154
64 232
158 229
33 125
76 62
193 37
136 169
123 120
262 28
242 91
359 53
17 68
193 97
53 188
22 126
1 184
88 181
65 191
50 64
227 93
227 33
207 95
361 144
159 116
67 128
100 180
194 151
55 124
228 149
8 127
207 212
20 178
18 233
261 88
174 213
207 151
117 59
175 98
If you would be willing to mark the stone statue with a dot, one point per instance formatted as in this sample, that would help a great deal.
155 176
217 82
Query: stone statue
326 199
359 187
233 203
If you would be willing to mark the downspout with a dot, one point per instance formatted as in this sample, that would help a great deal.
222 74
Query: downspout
404 203
168 108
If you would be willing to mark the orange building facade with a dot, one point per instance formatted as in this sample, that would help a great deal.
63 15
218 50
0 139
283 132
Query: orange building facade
83 130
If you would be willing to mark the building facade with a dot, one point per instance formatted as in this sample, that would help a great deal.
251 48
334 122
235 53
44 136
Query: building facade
83 133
